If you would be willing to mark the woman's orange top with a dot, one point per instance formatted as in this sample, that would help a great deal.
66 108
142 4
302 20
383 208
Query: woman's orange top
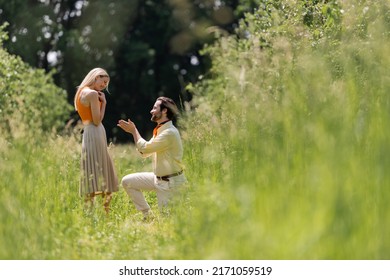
85 112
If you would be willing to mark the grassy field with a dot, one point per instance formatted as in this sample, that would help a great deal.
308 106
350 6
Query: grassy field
42 216
287 157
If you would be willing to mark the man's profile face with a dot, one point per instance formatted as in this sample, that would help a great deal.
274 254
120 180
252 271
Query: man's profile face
156 111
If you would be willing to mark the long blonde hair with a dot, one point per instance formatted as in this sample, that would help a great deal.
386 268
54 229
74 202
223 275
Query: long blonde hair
89 80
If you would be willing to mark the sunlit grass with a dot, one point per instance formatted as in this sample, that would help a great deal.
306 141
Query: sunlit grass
42 216
286 159
296 160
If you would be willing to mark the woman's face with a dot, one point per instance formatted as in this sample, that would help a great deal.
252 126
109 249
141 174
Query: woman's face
101 82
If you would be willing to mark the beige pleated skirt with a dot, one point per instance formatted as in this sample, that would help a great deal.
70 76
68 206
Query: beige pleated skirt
97 169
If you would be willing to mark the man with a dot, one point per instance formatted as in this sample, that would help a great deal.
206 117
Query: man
167 151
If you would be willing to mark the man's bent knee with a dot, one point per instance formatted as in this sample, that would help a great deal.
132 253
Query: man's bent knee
127 182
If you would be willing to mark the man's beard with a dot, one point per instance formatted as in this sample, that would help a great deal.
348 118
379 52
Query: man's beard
155 118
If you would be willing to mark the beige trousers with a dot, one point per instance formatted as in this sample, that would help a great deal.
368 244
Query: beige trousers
135 183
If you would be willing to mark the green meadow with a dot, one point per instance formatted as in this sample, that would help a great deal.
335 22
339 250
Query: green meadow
287 153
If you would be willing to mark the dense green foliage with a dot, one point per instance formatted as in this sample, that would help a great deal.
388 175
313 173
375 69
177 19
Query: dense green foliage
150 48
287 153
30 103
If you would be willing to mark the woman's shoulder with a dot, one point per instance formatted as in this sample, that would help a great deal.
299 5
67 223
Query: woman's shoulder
88 94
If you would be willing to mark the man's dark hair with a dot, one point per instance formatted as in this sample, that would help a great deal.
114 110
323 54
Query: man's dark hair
169 104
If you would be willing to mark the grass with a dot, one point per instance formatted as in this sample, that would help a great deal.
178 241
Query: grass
305 203
290 166
43 217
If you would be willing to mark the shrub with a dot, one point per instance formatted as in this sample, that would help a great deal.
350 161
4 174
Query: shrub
30 102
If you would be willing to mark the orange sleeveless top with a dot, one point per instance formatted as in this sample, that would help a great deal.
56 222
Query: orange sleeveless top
85 112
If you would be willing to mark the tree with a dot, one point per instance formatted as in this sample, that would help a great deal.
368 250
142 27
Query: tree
150 48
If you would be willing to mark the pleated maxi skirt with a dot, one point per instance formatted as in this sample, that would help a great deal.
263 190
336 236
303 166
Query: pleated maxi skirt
97 168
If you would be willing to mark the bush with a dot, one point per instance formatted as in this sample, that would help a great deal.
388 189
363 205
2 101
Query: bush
30 102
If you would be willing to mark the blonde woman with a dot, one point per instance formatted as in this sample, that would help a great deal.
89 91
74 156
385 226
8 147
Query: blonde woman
98 173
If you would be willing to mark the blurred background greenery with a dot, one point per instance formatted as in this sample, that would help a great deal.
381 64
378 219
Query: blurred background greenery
285 131
150 48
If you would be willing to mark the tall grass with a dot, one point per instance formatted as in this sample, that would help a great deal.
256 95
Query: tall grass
287 157
42 216
295 145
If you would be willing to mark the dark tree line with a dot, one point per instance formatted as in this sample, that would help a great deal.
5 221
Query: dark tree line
149 47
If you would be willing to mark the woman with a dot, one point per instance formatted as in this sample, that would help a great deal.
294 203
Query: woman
98 174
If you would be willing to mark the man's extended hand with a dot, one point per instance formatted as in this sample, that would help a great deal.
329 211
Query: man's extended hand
127 126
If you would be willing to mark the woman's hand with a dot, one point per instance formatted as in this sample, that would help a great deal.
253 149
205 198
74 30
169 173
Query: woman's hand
102 97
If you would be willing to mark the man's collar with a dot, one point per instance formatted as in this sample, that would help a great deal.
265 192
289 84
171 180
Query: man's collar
164 122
